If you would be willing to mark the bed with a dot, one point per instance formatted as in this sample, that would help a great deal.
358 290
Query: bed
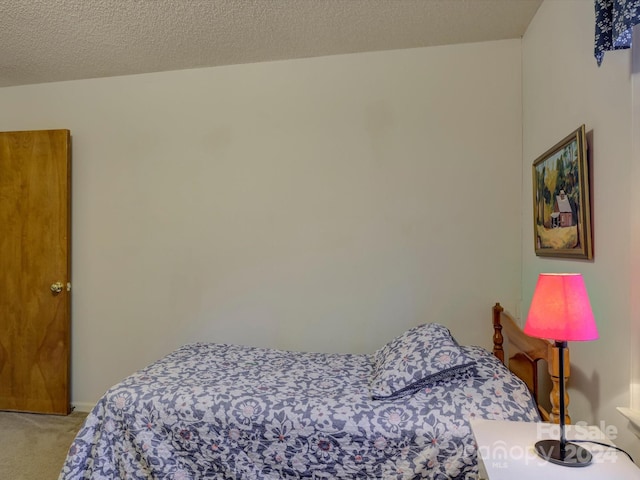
240 412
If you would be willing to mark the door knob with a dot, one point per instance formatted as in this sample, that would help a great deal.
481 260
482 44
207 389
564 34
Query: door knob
56 287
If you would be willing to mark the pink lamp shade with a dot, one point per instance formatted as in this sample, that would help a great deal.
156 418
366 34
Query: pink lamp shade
560 309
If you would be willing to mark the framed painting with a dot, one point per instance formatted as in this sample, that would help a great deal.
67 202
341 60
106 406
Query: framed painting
561 204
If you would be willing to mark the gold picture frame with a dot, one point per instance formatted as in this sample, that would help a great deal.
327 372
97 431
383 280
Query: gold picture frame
561 201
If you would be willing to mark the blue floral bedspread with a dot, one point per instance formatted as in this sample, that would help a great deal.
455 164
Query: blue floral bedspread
237 412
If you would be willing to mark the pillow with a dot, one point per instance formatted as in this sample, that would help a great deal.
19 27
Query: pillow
419 357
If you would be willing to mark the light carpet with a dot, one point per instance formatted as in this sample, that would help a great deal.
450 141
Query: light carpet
33 447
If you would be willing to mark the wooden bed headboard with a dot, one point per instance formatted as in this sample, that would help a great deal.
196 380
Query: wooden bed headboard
524 353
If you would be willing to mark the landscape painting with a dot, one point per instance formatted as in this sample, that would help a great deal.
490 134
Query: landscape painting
561 206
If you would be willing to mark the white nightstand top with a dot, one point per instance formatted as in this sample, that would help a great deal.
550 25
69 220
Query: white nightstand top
507 451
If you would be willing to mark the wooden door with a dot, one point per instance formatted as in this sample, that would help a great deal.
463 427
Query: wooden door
35 256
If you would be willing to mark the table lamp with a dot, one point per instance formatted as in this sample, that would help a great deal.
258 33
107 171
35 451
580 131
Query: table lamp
560 311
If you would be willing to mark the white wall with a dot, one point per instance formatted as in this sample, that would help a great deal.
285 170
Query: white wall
562 89
323 204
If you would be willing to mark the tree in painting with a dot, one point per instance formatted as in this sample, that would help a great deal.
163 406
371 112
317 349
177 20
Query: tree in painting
558 199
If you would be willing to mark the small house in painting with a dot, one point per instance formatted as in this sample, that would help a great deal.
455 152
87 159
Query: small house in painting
562 215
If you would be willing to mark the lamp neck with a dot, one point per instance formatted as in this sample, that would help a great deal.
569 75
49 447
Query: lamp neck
561 345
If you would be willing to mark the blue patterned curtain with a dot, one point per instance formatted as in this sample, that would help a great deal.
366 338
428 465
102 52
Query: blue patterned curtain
614 21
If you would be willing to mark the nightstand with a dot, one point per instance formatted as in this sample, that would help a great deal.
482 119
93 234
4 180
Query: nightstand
506 452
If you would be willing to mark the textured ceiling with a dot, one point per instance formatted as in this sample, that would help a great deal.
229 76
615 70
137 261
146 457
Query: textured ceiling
53 40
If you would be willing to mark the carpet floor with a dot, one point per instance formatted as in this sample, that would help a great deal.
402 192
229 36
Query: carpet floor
33 447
